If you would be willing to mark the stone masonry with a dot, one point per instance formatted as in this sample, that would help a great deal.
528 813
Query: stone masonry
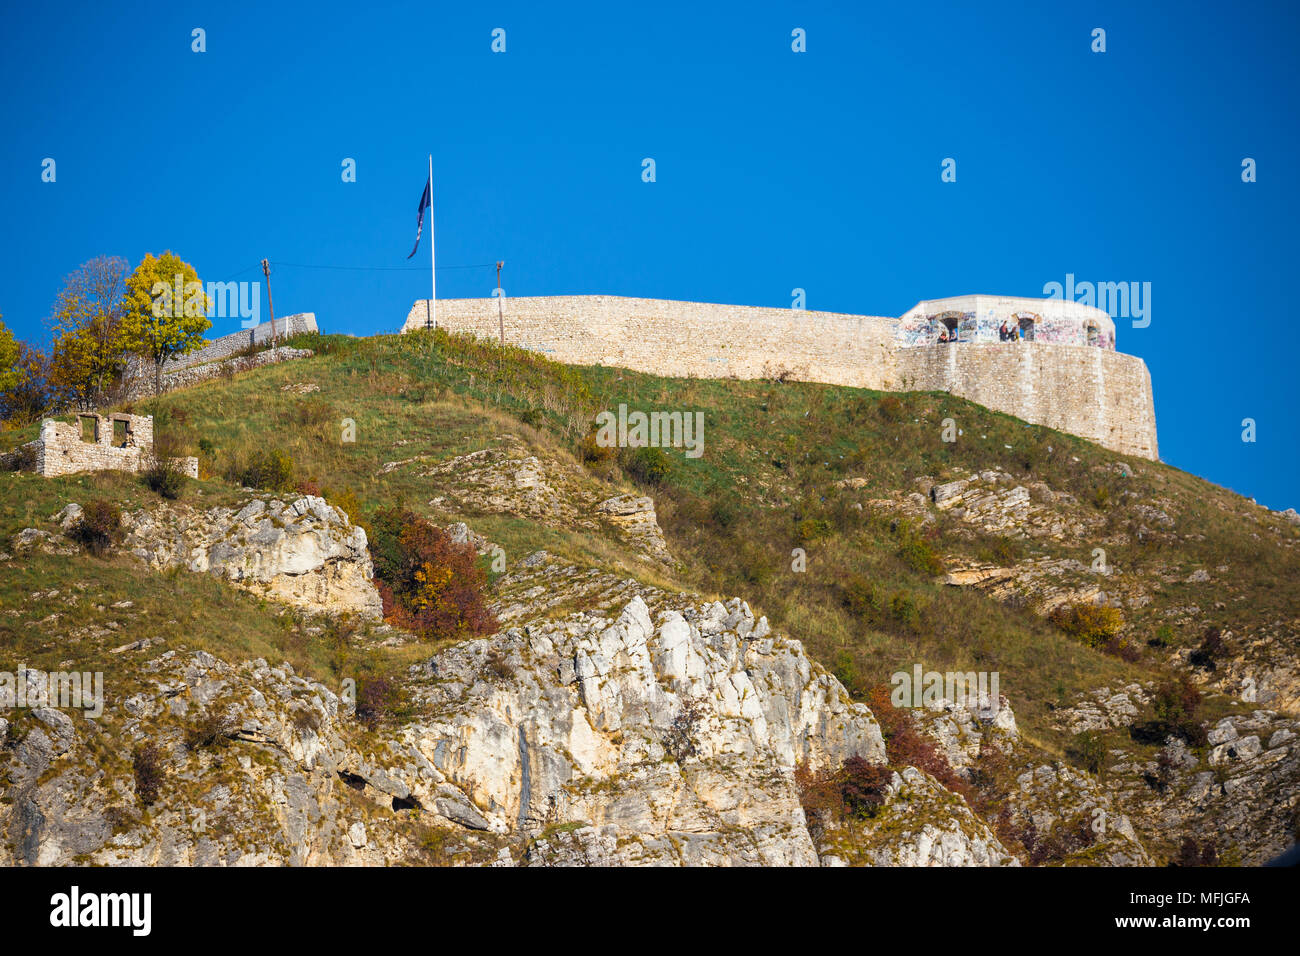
114 442
1087 390
227 345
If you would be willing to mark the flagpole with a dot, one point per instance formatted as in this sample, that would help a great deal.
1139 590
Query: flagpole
433 277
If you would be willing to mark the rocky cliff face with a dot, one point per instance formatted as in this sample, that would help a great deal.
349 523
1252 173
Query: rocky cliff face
664 738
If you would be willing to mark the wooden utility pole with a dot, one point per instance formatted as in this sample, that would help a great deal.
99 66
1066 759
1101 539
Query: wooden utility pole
266 271
501 315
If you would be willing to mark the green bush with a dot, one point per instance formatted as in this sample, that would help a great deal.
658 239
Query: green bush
811 529
649 466
270 470
905 610
1088 751
859 596
164 477
918 555
723 512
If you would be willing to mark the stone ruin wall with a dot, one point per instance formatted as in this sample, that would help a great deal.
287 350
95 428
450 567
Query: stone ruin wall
1094 393
61 449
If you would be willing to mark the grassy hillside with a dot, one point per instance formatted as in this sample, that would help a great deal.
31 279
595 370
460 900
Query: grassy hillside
785 466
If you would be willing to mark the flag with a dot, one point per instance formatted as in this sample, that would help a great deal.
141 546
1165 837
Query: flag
419 216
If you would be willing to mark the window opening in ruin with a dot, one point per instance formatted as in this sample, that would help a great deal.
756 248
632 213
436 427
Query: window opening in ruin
1026 328
1094 334
89 429
121 432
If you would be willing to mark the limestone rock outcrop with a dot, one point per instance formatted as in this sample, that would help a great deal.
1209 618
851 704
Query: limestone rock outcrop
303 551
670 739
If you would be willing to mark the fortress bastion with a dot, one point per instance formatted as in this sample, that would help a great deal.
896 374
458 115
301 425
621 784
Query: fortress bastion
1059 368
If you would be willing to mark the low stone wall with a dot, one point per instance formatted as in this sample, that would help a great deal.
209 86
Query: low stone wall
183 378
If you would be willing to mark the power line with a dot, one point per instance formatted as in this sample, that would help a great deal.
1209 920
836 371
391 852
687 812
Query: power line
255 265
300 265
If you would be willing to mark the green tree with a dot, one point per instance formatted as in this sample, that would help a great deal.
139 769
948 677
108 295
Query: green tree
166 310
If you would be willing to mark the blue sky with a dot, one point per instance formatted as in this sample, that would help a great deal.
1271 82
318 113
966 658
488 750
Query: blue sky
775 169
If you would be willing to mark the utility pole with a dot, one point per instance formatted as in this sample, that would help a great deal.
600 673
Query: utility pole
266 271
501 315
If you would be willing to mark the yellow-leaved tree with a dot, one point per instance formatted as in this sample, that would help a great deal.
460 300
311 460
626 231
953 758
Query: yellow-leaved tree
166 310
9 372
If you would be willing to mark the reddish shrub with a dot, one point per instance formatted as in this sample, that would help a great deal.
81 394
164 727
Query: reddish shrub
906 746
857 789
429 584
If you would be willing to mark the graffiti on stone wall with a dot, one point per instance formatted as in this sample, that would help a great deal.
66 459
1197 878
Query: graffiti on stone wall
998 325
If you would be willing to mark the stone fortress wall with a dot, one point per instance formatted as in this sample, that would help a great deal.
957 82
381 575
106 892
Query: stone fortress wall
1060 381
227 345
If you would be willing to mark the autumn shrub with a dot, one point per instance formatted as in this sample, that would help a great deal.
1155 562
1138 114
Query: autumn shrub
499 665
147 765
429 584
906 745
348 502
855 790
681 740
1094 624
100 527
1207 655
1056 844
863 785
208 731
1194 853
594 453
